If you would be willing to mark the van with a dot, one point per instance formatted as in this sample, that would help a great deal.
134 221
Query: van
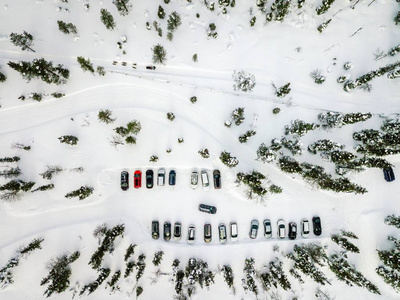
204 180
161 177
234 231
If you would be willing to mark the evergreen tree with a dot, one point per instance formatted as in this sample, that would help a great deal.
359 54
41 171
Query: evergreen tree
170 116
204 153
248 282
159 54
91 287
129 251
245 137
68 139
51 171
123 6
265 153
107 19
140 266
396 19
344 243
153 158
279 9
158 256
393 220
275 276
244 82
299 127
85 64
11 173
114 280
174 21
40 68
44 187
9 159
237 115
2 77
254 181
67 28
24 40
105 116
227 273
228 160
82 193
326 4
161 12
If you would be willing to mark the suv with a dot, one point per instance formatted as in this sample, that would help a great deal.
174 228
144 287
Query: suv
267 228
124 180
281 229
207 232
161 177
234 231
194 179
305 228
292 230
155 230
253 229
204 180
137 179
172 177
317 225
177 231
208 209
167 231
191 234
388 174
222 233
217 179
149 178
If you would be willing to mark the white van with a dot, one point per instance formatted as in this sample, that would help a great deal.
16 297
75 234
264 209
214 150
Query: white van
161 177
204 180
234 232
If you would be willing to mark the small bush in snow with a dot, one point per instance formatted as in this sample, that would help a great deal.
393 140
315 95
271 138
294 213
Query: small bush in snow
244 82
323 26
170 116
153 158
67 28
24 40
253 21
45 187
228 160
283 90
68 139
139 291
274 189
9 159
107 19
393 220
10 173
193 99
204 153
276 110
211 31
317 76
101 71
237 115
161 12
195 57
82 193
2 77
180 140
105 116
396 19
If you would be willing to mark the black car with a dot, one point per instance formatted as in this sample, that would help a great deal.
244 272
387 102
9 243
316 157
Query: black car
150 67
208 209
155 233
217 179
317 227
172 177
167 231
292 230
388 174
149 179
177 231
124 180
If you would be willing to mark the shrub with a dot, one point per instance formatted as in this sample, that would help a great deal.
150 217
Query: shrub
244 82
105 116
228 160
82 193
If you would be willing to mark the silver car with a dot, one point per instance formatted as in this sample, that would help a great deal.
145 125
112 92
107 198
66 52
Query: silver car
222 233
267 228
281 229
253 229
191 234
194 180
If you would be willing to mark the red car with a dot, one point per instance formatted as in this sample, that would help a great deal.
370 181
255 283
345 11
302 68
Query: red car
137 179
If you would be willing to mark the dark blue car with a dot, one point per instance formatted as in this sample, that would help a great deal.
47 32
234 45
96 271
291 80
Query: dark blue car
388 174
172 177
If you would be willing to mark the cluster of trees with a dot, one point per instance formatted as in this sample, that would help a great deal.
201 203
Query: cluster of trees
275 276
129 132
342 240
204 153
6 275
279 9
67 28
323 8
228 160
329 120
14 189
254 180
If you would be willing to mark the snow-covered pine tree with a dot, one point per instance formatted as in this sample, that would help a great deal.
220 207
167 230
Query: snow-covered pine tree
174 21
67 28
237 115
244 82
91 287
140 266
10 173
105 116
158 256
245 137
68 139
107 19
9 159
274 276
2 77
161 12
248 282
323 8
204 153
82 193
170 116
265 153
299 127
228 160
24 40
159 54
289 165
123 6
227 273
85 64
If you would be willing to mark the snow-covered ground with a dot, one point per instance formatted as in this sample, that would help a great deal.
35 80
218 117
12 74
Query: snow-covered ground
277 52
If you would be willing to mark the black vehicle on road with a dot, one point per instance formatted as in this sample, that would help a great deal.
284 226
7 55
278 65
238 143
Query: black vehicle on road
208 209
317 227
124 180
149 179
155 233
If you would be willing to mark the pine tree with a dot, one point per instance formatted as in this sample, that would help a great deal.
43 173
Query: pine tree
170 116
82 193
299 127
2 77
107 19
68 139
91 287
40 68
174 21
129 251
393 220
244 82
245 137
228 275
204 153
85 64
158 256
153 158
159 54
161 12
105 116
10 173
237 115
51 171
123 6
228 160
24 40
67 28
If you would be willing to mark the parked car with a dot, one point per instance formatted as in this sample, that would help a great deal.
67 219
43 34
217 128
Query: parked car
305 228
234 231
388 174
207 232
149 179
177 231
292 230
253 229
150 67
161 177
137 179
222 233
317 225
267 228
155 233
208 209
167 231
281 229
191 234
204 180
172 177
124 180
194 179
217 179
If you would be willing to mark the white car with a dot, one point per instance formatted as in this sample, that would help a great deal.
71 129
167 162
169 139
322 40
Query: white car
281 229
305 228
161 177
204 180
234 231
194 180
191 234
